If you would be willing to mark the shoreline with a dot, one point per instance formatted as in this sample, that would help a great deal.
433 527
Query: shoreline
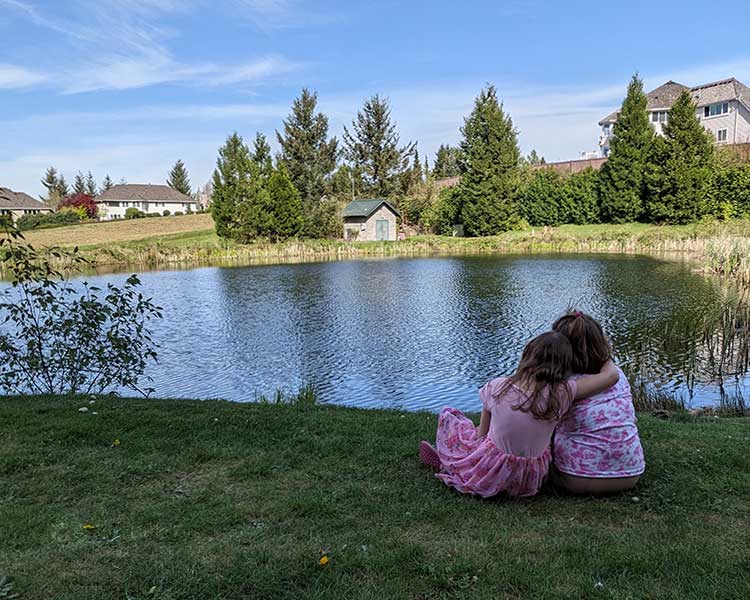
721 249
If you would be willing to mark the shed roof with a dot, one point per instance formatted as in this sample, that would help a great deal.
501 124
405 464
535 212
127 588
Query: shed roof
10 200
147 192
364 208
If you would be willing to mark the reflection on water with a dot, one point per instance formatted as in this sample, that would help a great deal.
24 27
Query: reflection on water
412 333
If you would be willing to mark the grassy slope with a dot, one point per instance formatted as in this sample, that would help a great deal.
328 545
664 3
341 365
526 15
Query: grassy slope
218 500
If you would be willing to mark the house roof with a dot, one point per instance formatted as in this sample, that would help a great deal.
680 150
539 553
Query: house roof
364 208
146 192
665 95
10 200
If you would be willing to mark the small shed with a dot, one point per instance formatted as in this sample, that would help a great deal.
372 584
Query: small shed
370 220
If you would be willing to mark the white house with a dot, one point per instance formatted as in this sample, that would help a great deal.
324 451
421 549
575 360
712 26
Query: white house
723 107
18 204
150 199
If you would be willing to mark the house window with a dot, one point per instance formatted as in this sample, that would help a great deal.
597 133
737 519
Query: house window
659 116
721 135
716 109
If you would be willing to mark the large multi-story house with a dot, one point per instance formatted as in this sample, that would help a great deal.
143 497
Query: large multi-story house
149 199
723 107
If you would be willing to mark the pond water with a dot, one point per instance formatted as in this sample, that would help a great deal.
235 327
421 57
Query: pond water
412 333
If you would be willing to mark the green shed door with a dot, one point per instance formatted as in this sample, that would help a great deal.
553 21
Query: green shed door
381 229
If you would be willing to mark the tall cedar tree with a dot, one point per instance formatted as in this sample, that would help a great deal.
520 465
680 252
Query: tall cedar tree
306 152
262 156
62 187
107 183
621 181
232 183
91 185
446 162
79 184
179 179
489 168
372 147
679 174
51 183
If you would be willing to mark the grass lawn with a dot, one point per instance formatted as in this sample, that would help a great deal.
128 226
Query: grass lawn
115 232
207 499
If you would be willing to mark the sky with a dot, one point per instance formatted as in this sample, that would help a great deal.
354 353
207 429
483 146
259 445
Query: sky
127 87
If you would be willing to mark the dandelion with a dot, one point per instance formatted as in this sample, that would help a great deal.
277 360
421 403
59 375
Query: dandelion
116 442
89 526
323 561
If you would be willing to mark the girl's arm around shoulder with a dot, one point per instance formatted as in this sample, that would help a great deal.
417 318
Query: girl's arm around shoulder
484 423
590 385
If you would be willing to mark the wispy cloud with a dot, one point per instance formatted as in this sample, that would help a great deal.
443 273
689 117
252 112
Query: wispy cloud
130 50
14 77
280 14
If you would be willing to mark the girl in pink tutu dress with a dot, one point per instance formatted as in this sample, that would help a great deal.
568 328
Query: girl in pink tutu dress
510 451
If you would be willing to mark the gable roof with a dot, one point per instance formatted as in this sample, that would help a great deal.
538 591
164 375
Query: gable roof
666 95
146 192
10 200
364 208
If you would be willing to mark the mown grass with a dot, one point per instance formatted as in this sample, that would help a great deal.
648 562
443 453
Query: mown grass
207 499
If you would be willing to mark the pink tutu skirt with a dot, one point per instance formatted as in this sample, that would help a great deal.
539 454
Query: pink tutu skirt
478 466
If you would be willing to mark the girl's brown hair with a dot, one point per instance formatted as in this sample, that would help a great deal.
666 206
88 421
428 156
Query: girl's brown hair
591 347
545 363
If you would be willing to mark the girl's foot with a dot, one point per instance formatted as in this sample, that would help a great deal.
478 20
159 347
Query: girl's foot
428 455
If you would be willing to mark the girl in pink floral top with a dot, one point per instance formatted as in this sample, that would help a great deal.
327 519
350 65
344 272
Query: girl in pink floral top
510 451
596 445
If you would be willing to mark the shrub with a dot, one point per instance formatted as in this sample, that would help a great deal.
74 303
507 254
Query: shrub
134 213
539 201
443 213
166 213
66 216
83 201
60 338
731 192
178 213
149 215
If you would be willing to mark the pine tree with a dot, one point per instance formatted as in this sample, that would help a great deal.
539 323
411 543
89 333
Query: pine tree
489 168
679 175
306 152
232 184
62 187
373 148
79 184
534 159
621 181
286 206
51 183
178 178
446 162
107 183
262 155
91 185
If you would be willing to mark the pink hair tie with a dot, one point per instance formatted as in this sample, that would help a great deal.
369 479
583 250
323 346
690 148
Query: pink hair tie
578 313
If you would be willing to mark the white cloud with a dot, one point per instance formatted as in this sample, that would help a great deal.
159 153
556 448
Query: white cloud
13 77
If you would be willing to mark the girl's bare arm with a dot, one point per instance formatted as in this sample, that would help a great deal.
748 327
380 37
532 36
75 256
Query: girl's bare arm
589 385
484 423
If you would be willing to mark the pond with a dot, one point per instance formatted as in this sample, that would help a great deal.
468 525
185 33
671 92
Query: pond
414 333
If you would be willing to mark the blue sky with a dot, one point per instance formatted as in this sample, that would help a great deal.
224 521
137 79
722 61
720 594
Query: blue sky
126 87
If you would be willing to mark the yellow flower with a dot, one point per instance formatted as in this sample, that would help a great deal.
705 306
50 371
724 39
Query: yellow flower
323 561
116 442
89 526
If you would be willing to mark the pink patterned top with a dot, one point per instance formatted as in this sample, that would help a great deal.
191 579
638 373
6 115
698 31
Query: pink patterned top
599 437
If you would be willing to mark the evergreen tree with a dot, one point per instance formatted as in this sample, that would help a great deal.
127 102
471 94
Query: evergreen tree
50 182
679 176
179 179
232 184
79 184
306 152
412 177
534 159
286 211
62 187
123 181
373 147
621 181
90 185
107 183
262 155
489 168
446 162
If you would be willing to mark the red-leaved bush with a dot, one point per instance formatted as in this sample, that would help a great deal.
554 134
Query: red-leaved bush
83 201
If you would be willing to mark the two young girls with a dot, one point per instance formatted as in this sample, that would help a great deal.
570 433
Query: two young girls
565 381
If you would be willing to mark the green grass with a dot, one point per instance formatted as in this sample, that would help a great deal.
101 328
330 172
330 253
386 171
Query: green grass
207 499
